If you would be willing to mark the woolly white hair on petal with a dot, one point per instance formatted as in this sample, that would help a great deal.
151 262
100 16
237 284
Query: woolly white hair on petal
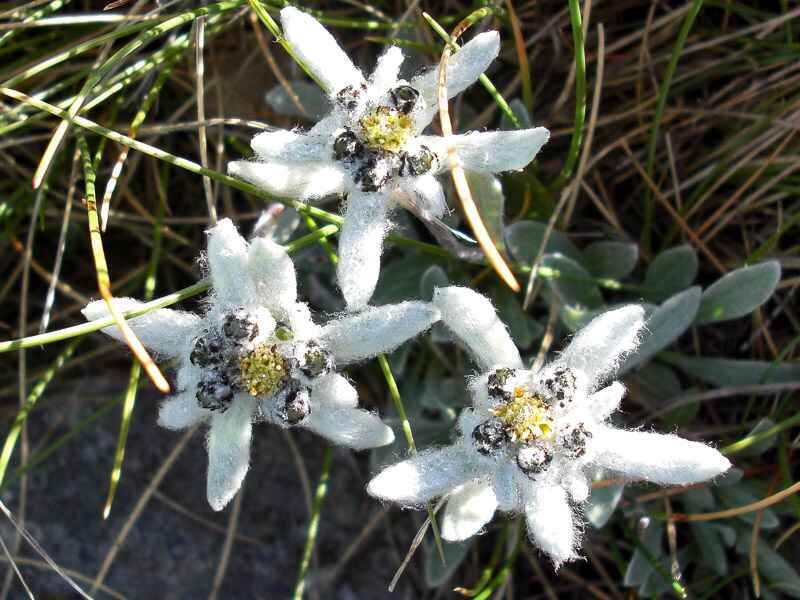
376 329
660 458
578 487
550 522
468 509
229 451
491 151
472 318
289 147
181 411
333 391
424 476
385 74
463 69
164 331
227 260
300 322
360 246
311 180
605 401
351 427
597 349
272 274
428 196
319 51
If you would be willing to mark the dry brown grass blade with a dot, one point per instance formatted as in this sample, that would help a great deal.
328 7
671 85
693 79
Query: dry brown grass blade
463 192
740 510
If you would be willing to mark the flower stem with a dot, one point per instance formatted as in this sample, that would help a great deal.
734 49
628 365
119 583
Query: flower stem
313 525
580 96
409 435
659 113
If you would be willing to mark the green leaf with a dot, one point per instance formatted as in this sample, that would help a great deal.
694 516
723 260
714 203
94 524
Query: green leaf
602 503
734 496
666 324
639 569
523 239
659 381
671 271
739 292
758 448
782 576
488 194
521 112
522 327
724 372
571 282
454 554
612 260
433 277
313 99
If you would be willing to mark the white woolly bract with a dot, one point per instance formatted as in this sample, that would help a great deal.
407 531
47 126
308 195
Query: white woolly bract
463 69
351 427
468 509
181 411
315 47
360 246
229 451
165 331
550 522
604 402
227 261
473 320
272 273
660 458
281 145
376 330
491 151
422 477
309 181
332 390
385 74
597 349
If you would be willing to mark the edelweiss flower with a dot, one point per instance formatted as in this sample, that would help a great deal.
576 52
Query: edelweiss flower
531 439
256 355
370 147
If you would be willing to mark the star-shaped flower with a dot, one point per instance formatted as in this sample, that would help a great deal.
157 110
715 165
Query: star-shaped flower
256 355
371 147
532 439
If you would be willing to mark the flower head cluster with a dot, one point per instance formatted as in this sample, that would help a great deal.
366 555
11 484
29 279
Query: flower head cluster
257 355
371 146
532 439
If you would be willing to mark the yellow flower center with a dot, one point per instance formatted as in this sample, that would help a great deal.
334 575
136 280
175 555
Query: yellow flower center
386 129
526 417
263 370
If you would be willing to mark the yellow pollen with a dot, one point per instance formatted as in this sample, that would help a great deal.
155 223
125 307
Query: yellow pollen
526 417
263 370
386 129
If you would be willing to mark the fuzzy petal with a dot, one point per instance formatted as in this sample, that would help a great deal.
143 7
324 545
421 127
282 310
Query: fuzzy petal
468 509
604 402
366 222
660 458
313 180
319 51
291 147
229 452
550 522
490 151
272 274
164 331
463 69
181 411
376 329
350 427
384 77
334 391
427 475
578 487
227 260
472 318
425 194
597 349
